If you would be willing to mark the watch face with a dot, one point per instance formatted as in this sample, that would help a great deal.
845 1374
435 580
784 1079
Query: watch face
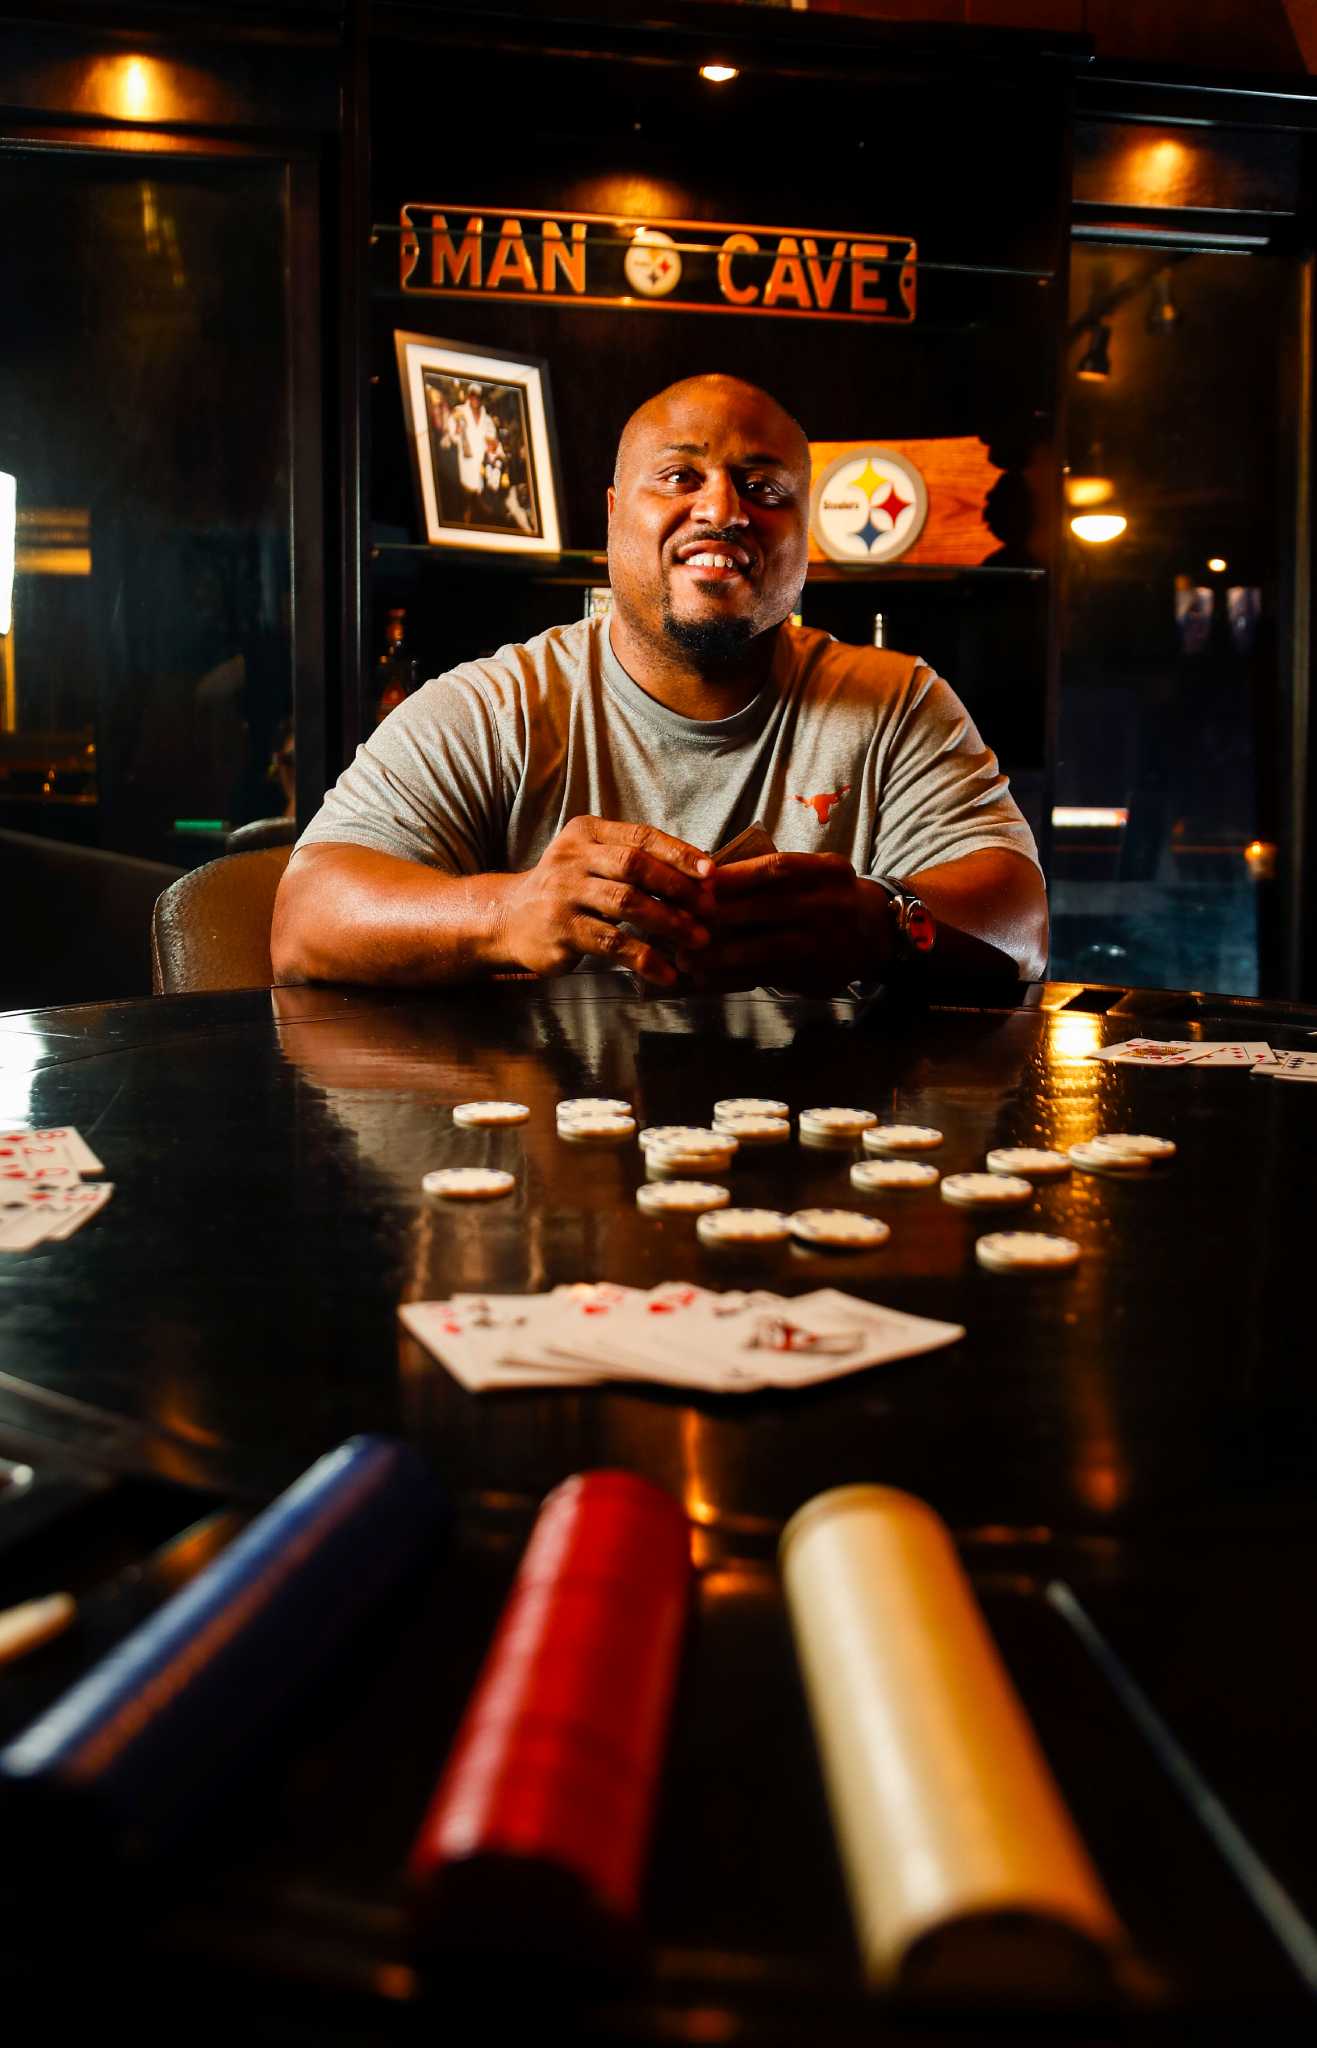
920 929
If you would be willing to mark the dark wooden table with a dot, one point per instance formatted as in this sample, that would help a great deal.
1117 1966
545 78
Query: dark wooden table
1141 1429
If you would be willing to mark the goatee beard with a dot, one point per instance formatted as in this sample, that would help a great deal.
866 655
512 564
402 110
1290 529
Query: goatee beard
711 640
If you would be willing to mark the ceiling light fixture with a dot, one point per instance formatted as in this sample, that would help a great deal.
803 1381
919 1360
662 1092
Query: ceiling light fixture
1095 363
1217 564
1099 526
719 74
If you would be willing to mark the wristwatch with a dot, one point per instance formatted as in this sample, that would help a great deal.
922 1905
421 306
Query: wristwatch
914 930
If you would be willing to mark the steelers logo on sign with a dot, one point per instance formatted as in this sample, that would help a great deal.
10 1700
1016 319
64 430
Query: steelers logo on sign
868 506
652 263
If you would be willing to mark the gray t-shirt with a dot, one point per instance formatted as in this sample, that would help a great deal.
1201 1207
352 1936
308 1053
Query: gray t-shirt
852 750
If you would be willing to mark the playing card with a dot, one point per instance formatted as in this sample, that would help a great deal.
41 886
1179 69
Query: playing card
747 845
671 1334
1245 1053
1153 1052
1291 1066
56 1145
42 1206
474 1336
822 1335
21 1185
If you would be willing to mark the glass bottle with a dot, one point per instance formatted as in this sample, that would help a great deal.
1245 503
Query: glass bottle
396 670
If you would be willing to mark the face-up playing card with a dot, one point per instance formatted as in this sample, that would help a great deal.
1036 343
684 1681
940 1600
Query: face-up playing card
1243 1053
22 1184
32 1212
1153 1052
670 1334
476 1336
1292 1066
56 1145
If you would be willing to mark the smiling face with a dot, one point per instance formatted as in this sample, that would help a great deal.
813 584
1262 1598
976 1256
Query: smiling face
708 519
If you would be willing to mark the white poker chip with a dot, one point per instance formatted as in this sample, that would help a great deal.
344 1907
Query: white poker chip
985 1190
1092 1158
890 1139
840 1229
697 1134
743 1226
1028 1159
754 1130
876 1176
600 1127
676 1160
1137 1142
492 1113
835 1126
749 1105
1025 1251
468 1183
681 1197
592 1105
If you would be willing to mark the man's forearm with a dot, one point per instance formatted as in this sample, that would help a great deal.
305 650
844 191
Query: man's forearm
344 913
991 913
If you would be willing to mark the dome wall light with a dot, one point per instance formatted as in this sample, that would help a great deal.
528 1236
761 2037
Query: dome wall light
1099 526
719 74
1095 363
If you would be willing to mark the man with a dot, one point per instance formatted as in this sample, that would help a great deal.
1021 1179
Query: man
558 803
478 455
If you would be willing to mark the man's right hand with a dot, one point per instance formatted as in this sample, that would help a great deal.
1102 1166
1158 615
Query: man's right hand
597 876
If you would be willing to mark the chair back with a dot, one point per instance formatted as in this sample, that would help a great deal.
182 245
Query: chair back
211 928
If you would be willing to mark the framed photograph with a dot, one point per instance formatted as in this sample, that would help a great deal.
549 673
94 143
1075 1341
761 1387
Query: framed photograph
480 428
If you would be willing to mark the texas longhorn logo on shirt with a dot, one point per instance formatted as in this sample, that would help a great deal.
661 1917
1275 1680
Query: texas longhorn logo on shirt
825 803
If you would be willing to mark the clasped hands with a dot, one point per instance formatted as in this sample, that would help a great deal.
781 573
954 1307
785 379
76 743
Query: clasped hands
637 898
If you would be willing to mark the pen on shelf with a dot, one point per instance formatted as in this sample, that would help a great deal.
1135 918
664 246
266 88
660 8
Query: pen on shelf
32 1623
1268 1895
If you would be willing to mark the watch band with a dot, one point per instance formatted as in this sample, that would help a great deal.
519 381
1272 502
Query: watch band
914 928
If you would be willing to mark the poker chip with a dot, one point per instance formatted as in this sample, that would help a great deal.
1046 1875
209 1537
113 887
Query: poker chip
480 1114
573 1106
835 1126
468 1183
596 1127
1025 1251
695 1134
839 1229
754 1130
1028 1159
1093 1158
743 1226
681 1197
876 1176
985 1190
749 1105
675 1158
1136 1142
896 1138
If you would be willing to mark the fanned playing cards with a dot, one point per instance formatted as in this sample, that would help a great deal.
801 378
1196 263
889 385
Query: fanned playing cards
675 1335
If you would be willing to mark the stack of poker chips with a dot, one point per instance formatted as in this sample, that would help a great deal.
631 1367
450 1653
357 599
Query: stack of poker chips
536 1835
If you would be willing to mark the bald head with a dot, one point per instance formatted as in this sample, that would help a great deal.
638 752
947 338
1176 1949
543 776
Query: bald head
719 393
707 525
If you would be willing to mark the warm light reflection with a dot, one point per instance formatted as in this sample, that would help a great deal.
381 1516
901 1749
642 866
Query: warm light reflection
1099 526
1158 170
1077 816
719 74
1081 491
1073 1035
694 1486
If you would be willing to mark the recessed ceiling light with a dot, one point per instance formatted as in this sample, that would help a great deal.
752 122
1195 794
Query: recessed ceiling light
719 74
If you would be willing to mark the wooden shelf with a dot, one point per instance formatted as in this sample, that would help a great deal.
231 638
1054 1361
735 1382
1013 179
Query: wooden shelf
580 567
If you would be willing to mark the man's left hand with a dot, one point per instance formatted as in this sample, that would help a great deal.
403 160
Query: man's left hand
801 921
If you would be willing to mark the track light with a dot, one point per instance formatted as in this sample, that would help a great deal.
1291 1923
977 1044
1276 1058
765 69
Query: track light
1096 361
